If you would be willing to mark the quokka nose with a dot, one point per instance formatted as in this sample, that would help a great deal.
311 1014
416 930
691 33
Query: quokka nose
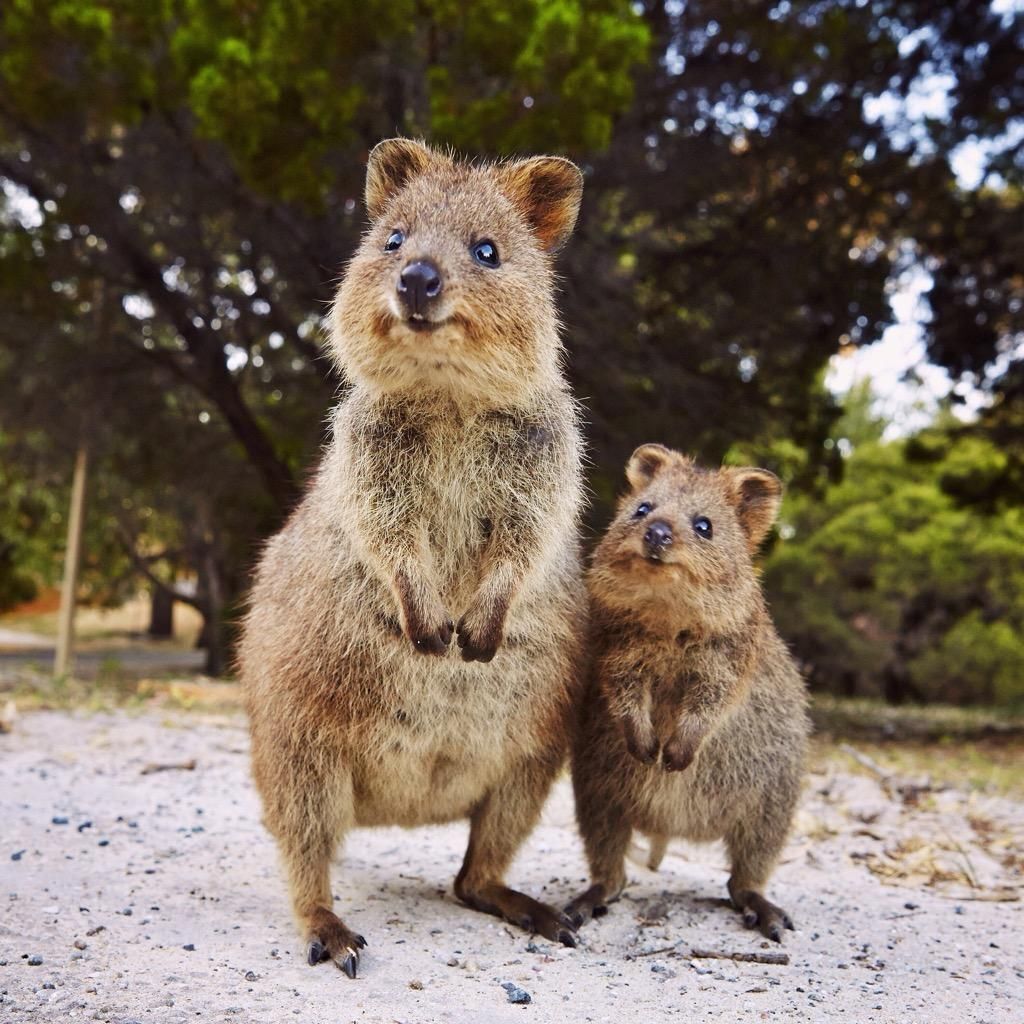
658 536
418 284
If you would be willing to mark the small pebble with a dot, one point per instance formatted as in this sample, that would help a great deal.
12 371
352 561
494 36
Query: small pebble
103 842
189 947
251 976
910 906
84 826
58 819
515 993
417 985
17 855
35 960
81 944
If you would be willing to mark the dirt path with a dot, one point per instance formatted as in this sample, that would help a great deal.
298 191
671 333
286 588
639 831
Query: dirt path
159 900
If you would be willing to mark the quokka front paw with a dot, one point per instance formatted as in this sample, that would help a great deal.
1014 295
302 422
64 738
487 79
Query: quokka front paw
681 749
480 632
641 741
432 639
424 618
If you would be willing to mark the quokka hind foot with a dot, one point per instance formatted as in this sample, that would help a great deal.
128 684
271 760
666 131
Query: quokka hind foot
329 938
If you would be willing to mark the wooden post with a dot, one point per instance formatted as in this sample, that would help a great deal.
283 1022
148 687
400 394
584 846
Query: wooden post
72 557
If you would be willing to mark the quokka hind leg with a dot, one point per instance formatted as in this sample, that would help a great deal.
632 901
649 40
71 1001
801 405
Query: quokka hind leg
606 830
754 849
309 812
498 826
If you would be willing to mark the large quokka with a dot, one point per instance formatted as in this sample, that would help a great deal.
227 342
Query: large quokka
439 535
695 720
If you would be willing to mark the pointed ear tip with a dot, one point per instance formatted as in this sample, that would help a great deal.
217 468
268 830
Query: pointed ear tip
556 165
398 143
572 175
764 476
650 446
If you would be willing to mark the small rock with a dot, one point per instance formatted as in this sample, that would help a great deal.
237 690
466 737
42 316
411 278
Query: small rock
910 906
17 855
84 826
35 960
417 985
515 993
103 842
127 911
189 947
251 976
58 819
81 944
49 985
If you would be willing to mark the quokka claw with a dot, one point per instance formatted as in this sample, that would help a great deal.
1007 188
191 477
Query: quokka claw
349 963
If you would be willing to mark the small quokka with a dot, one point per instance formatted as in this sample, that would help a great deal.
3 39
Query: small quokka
412 653
695 722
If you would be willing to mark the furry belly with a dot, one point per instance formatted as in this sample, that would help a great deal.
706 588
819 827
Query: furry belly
415 783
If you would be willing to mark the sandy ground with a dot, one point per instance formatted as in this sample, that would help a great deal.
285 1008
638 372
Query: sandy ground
131 897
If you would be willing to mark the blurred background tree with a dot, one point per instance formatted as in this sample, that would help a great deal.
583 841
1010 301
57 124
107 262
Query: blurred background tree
182 184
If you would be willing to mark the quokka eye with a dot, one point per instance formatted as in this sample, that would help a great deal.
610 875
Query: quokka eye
643 509
485 253
702 527
394 242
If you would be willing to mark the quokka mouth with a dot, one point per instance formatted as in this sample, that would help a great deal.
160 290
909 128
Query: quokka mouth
422 326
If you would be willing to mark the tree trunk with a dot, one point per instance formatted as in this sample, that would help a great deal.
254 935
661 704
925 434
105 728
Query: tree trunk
161 613
72 558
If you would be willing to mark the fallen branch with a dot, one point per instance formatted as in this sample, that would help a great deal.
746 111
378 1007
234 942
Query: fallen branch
780 959
866 762
182 766
908 790
1005 895
671 950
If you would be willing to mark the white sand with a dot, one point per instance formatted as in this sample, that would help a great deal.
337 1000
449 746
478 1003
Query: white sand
186 862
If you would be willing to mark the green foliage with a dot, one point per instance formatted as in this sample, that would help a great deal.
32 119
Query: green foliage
891 584
181 183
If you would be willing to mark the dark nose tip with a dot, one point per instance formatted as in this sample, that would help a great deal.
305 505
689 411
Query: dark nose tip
419 283
657 537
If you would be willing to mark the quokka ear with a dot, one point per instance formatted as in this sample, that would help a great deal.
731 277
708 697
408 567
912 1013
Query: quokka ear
392 164
645 462
758 495
547 191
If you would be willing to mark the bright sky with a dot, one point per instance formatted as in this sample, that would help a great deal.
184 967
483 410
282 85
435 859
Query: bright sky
908 387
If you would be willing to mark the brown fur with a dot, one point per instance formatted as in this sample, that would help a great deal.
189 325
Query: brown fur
439 533
692 680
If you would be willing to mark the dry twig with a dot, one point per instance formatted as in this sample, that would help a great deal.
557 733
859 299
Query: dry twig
181 766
